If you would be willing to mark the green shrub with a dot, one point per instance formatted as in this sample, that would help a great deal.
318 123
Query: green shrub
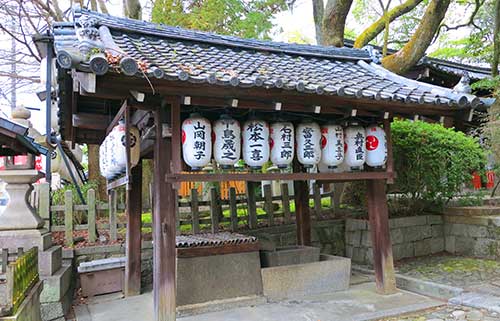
58 195
432 162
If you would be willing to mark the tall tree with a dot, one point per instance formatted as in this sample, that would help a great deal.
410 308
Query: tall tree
132 9
496 41
247 19
378 26
330 21
415 49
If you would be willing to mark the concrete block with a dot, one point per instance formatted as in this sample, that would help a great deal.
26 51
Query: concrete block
353 238
449 244
331 274
412 234
218 277
401 251
437 245
435 219
103 264
425 232
464 245
56 286
486 248
477 231
459 230
474 220
355 225
428 288
349 251
397 236
369 255
408 221
289 256
447 229
51 311
50 260
359 255
423 247
366 239
437 230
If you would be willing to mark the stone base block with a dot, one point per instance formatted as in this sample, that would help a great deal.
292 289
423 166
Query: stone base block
26 239
331 274
218 277
289 255
49 261
55 311
57 285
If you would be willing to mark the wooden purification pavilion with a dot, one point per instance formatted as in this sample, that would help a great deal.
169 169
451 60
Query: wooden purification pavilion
153 75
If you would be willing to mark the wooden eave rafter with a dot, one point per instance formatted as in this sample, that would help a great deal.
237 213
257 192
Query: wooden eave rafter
111 87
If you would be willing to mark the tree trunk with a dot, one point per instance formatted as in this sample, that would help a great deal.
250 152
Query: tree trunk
102 6
411 53
132 9
496 41
93 5
334 22
318 12
378 26
94 172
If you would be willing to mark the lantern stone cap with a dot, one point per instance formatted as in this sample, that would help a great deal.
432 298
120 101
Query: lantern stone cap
20 175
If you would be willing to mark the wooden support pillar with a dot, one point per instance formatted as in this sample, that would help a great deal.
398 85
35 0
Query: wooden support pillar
133 248
381 240
164 263
302 212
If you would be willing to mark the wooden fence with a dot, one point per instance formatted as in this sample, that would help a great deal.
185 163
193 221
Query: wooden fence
194 215
21 275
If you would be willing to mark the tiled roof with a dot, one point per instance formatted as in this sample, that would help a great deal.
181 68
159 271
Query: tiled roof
14 131
199 57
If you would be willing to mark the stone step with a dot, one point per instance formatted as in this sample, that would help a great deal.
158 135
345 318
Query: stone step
473 210
56 286
477 300
50 261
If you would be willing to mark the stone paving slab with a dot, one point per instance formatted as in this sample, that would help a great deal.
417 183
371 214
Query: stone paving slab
478 300
448 313
360 302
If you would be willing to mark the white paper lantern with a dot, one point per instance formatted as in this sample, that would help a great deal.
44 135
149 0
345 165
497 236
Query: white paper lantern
103 168
332 145
376 146
255 143
196 141
354 136
282 143
114 168
120 152
308 136
227 143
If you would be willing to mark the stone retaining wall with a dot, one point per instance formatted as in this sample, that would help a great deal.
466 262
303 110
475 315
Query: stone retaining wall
411 236
327 235
477 236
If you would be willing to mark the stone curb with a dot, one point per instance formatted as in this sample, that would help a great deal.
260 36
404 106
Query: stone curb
375 316
478 301
432 289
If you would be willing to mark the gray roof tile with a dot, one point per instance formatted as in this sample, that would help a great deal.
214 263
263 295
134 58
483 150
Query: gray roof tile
199 57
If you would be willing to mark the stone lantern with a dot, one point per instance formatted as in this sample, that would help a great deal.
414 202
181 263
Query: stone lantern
20 225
